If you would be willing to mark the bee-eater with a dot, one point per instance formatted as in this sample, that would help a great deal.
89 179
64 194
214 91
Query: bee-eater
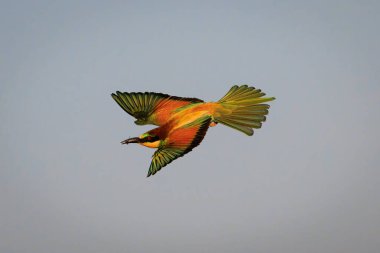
183 122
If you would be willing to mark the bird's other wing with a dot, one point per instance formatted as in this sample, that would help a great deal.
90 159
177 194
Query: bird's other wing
150 107
178 143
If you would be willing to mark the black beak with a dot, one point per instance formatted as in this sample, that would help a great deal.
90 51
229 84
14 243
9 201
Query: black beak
131 140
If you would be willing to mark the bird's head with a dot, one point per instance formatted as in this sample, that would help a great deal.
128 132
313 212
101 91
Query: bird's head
146 139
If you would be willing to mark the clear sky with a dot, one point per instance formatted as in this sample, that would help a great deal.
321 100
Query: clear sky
308 181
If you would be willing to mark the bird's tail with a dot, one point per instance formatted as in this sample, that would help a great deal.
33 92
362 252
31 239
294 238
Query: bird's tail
242 108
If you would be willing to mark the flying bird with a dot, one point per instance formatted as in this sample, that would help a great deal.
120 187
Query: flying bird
183 122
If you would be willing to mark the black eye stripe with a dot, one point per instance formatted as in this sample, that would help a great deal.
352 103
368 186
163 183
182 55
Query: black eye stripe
151 138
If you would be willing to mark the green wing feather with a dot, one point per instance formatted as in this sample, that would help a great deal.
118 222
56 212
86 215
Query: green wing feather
162 157
142 105
179 143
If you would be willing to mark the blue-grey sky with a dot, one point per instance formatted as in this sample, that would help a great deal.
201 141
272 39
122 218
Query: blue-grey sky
308 181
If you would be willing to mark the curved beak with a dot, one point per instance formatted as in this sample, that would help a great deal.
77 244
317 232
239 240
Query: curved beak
131 140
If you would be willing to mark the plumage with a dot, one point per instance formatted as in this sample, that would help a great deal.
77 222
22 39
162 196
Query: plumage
150 107
183 122
179 142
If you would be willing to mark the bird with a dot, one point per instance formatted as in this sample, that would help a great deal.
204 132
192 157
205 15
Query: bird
183 122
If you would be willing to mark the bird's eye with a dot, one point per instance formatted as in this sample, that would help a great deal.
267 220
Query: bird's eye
150 138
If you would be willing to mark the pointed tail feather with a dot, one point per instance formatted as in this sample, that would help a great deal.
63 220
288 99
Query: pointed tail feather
242 108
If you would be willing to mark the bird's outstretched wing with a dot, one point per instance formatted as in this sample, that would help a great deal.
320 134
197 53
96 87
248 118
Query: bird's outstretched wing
150 107
178 143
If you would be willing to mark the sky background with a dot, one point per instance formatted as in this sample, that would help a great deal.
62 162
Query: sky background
308 181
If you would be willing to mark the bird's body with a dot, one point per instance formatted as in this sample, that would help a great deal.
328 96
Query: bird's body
183 122
178 119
